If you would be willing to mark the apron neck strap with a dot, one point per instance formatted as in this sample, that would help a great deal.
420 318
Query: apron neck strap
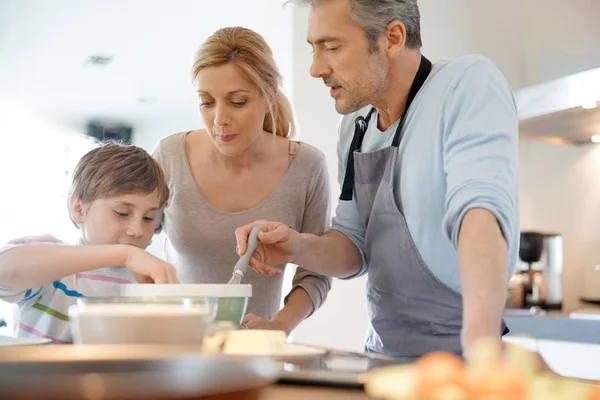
420 78
362 123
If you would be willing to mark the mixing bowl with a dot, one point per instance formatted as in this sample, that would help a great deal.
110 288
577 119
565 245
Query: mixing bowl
232 300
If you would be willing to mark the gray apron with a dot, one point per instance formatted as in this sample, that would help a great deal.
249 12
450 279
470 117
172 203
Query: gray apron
410 310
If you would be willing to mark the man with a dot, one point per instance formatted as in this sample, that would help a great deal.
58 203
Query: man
428 171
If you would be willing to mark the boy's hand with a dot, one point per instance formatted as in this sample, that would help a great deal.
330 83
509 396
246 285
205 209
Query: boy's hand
148 269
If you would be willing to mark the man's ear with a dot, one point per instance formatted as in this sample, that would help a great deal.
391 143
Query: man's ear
395 36
76 210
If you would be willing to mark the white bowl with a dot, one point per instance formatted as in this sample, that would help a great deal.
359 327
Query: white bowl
125 323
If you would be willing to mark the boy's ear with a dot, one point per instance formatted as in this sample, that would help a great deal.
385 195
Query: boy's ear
76 210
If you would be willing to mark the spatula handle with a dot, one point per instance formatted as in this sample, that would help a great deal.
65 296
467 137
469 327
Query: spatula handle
241 267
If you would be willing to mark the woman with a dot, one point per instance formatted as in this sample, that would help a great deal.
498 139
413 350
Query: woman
242 167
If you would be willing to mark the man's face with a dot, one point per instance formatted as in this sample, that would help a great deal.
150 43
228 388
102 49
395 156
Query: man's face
342 57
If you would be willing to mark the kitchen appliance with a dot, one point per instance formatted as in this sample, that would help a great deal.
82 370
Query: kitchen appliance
537 281
590 287
563 110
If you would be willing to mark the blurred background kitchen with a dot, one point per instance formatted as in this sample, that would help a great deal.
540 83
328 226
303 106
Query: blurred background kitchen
74 70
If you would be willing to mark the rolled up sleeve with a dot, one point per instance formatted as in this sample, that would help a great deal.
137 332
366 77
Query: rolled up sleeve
481 151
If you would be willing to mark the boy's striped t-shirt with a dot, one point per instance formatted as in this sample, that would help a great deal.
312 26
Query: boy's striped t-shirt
43 310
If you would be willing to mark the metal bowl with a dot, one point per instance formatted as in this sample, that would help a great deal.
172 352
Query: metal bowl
126 372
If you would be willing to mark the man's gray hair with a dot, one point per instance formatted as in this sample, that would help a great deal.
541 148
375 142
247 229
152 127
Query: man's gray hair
375 15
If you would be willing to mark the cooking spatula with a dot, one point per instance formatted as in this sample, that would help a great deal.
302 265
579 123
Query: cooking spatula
241 267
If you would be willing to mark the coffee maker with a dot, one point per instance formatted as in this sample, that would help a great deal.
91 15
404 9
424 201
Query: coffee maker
537 281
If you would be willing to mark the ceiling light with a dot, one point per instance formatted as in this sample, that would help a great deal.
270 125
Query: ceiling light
589 104
595 139
98 60
147 100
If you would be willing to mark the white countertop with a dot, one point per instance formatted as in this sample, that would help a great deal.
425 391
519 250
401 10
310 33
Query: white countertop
570 359
586 313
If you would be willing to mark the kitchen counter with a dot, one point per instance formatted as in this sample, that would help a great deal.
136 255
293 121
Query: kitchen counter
285 392
569 359
569 343
552 327
577 360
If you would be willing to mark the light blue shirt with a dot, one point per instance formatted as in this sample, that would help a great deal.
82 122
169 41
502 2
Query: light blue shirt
459 151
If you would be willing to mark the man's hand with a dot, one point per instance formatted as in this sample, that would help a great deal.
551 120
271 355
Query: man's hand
148 269
330 254
489 350
278 244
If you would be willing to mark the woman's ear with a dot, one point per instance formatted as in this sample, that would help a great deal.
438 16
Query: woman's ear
76 210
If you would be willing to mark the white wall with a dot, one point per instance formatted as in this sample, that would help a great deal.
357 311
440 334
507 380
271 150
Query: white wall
148 137
559 38
530 41
560 192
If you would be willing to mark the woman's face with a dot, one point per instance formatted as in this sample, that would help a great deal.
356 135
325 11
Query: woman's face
231 107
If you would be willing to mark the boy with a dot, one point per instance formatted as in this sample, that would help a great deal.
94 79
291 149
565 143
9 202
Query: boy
115 198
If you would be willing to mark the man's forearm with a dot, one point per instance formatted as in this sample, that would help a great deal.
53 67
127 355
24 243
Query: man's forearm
39 264
483 260
331 254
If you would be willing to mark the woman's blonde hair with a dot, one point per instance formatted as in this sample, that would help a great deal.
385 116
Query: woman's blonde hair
251 54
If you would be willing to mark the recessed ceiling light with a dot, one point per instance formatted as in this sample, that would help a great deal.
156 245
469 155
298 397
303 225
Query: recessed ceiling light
147 100
98 60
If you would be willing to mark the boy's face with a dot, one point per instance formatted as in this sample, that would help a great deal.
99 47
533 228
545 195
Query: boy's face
123 219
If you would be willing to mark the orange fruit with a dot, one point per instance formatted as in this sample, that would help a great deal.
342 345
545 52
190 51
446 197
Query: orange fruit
595 392
498 381
441 375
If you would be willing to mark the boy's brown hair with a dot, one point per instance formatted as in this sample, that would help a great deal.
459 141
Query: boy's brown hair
114 169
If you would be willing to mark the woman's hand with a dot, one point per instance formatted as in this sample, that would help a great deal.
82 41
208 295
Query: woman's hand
253 321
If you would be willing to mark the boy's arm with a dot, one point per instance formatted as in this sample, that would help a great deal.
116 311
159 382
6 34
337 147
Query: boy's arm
20 296
34 265
44 238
